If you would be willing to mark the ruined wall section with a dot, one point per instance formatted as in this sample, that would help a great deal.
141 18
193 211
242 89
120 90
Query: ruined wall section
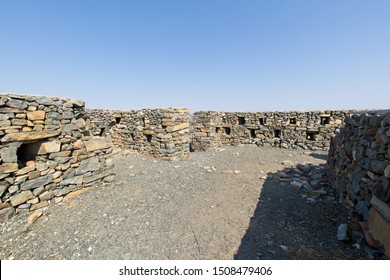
295 130
359 163
46 153
163 133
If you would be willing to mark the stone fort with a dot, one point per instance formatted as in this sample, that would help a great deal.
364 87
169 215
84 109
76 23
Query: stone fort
52 147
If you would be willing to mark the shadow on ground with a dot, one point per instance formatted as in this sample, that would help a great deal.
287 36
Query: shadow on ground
298 222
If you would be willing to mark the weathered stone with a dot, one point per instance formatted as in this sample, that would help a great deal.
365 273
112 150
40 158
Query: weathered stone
47 195
8 154
21 179
38 191
13 189
39 205
379 229
22 197
34 175
8 167
74 194
97 144
362 209
72 181
5 205
33 201
25 170
343 232
32 184
33 217
17 104
6 214
29 136
18 122
90 164
180 126
381 207
42 148
3 187
61 192
36 115
5 124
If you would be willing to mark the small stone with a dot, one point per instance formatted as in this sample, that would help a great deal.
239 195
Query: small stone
58 199
74 194
343 232
284 248
39 205
21 198
228 171
387 171
33 217
237 172
288 163
6 214
8 154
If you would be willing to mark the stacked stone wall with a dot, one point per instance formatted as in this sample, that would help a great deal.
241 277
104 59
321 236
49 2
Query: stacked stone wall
294 130
359 163
46 152
163 133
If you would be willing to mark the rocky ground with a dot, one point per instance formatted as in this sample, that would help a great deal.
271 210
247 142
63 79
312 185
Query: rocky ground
234 203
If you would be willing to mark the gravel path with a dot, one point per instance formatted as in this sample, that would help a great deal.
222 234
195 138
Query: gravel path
190 210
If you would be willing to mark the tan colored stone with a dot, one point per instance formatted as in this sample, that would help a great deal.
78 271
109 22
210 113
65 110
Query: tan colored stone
33 201
200 134
21 116
228 171
36 115
30 163
180 126
21 198
33 217
5 205
19 122
26 129
148 132
58 199
379 228
43 148
30 136
74 194
8 167
11 131
79 144
97 143
39 205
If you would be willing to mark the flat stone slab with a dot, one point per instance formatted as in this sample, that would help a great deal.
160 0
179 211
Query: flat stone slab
29 136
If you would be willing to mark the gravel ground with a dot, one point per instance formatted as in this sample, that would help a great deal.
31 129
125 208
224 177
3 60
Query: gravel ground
190 210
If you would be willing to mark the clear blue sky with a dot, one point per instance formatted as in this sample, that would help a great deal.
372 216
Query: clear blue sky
244 55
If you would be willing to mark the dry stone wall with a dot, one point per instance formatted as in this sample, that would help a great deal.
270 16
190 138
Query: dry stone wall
46 153
295 130
359 162
163 133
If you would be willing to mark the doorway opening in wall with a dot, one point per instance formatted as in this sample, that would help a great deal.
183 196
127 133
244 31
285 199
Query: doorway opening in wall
253 133
217 130
102 130
293 120
241 120
311 135
227 130
263 121
277 133
325 120
149 138
118 120
26 153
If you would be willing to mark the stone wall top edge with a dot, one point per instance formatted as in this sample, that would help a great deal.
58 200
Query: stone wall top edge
54 98
138 110
348 111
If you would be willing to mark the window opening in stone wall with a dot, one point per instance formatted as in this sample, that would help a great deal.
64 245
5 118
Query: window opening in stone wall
149 138
311 135
102 131
325 120
118 120
253 133
227 130
143 121
217 130
277 133
24 154
293 120
263 121
241 120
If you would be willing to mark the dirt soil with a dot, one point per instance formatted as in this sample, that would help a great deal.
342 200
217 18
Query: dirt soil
227 204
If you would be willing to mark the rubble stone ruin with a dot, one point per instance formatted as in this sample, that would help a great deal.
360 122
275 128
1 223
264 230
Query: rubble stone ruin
51 147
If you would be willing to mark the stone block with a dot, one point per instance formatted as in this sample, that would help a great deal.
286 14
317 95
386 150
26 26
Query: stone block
180 126
379 228
36 115
87 165
33 217
32 184
17 104
97 144
3 187
6 214
29 136
39 205
21 198
8 167
8 154
42 148
18 122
